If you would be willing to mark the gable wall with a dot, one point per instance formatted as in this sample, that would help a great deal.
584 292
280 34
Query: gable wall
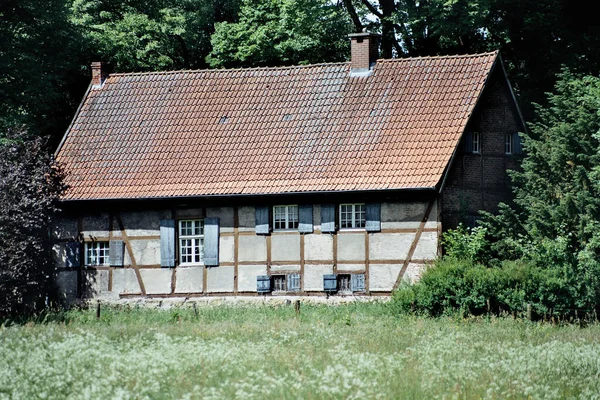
243 254
480 181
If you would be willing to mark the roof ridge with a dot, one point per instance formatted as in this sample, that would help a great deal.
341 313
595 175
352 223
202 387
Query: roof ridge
284 67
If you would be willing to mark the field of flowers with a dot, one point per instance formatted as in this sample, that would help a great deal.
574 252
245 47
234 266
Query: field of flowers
247 352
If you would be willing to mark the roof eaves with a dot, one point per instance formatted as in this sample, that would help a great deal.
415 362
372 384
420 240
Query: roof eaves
62 141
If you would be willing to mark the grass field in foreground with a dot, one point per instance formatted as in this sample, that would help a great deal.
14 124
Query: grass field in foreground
355 352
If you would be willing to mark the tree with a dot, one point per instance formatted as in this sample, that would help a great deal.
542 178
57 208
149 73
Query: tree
30 185
154 35
281 32
38 65
555 222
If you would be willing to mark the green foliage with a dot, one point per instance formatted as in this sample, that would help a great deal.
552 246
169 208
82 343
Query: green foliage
138 35
465 243
281 32
30 185
454 285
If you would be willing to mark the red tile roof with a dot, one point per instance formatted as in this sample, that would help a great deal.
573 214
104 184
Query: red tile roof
272 130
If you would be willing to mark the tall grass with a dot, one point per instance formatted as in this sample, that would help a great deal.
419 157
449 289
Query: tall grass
352 351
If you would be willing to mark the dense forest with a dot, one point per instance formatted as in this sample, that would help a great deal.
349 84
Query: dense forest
548 46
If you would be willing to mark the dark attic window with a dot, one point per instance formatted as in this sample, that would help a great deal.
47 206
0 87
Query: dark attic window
223 119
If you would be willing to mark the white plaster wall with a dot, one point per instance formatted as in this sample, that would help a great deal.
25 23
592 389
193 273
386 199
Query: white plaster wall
95 282
252 248
95 226
146 252
351 246
285 247
247 277
285 268
189 279
351 267
427 247
318 247
142 223
226 248
382 277
225 215
157 280
64 228
413 272
219 279
390 246
67 286
246 219
313 276
125 281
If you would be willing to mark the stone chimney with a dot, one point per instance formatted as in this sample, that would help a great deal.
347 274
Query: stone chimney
99 74
364 52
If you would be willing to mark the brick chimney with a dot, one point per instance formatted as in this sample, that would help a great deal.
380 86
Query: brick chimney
364 49
99 74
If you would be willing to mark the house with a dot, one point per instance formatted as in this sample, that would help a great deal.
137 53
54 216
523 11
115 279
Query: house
310 180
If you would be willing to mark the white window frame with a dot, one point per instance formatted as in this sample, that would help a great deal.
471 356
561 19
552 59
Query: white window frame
97 253
508 143
476 142
290 220
191 238
353 222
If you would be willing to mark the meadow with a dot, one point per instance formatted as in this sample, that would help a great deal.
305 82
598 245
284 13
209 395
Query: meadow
357 351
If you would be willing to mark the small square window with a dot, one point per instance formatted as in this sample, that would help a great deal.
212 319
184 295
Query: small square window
476 142
191 241
344 283
285 217
97 253
508 143
279 283
352 215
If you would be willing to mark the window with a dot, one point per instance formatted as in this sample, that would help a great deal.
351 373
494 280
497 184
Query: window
344 283
279 283
352 215
97 253
476 142
285 217
508 143
191 241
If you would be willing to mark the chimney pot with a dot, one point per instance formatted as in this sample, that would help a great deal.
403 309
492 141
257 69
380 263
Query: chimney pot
364 48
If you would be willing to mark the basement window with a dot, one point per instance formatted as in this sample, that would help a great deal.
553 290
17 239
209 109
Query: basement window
279 283
344 283
352 215
285 217
191 241
286 283
97 253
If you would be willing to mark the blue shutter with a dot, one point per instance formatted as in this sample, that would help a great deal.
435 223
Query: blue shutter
305 218
328 218
167 242
115 253
329 282
262 220
73 258
211 242
517 144
263 283
293 282
468 142
357 282
373 217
